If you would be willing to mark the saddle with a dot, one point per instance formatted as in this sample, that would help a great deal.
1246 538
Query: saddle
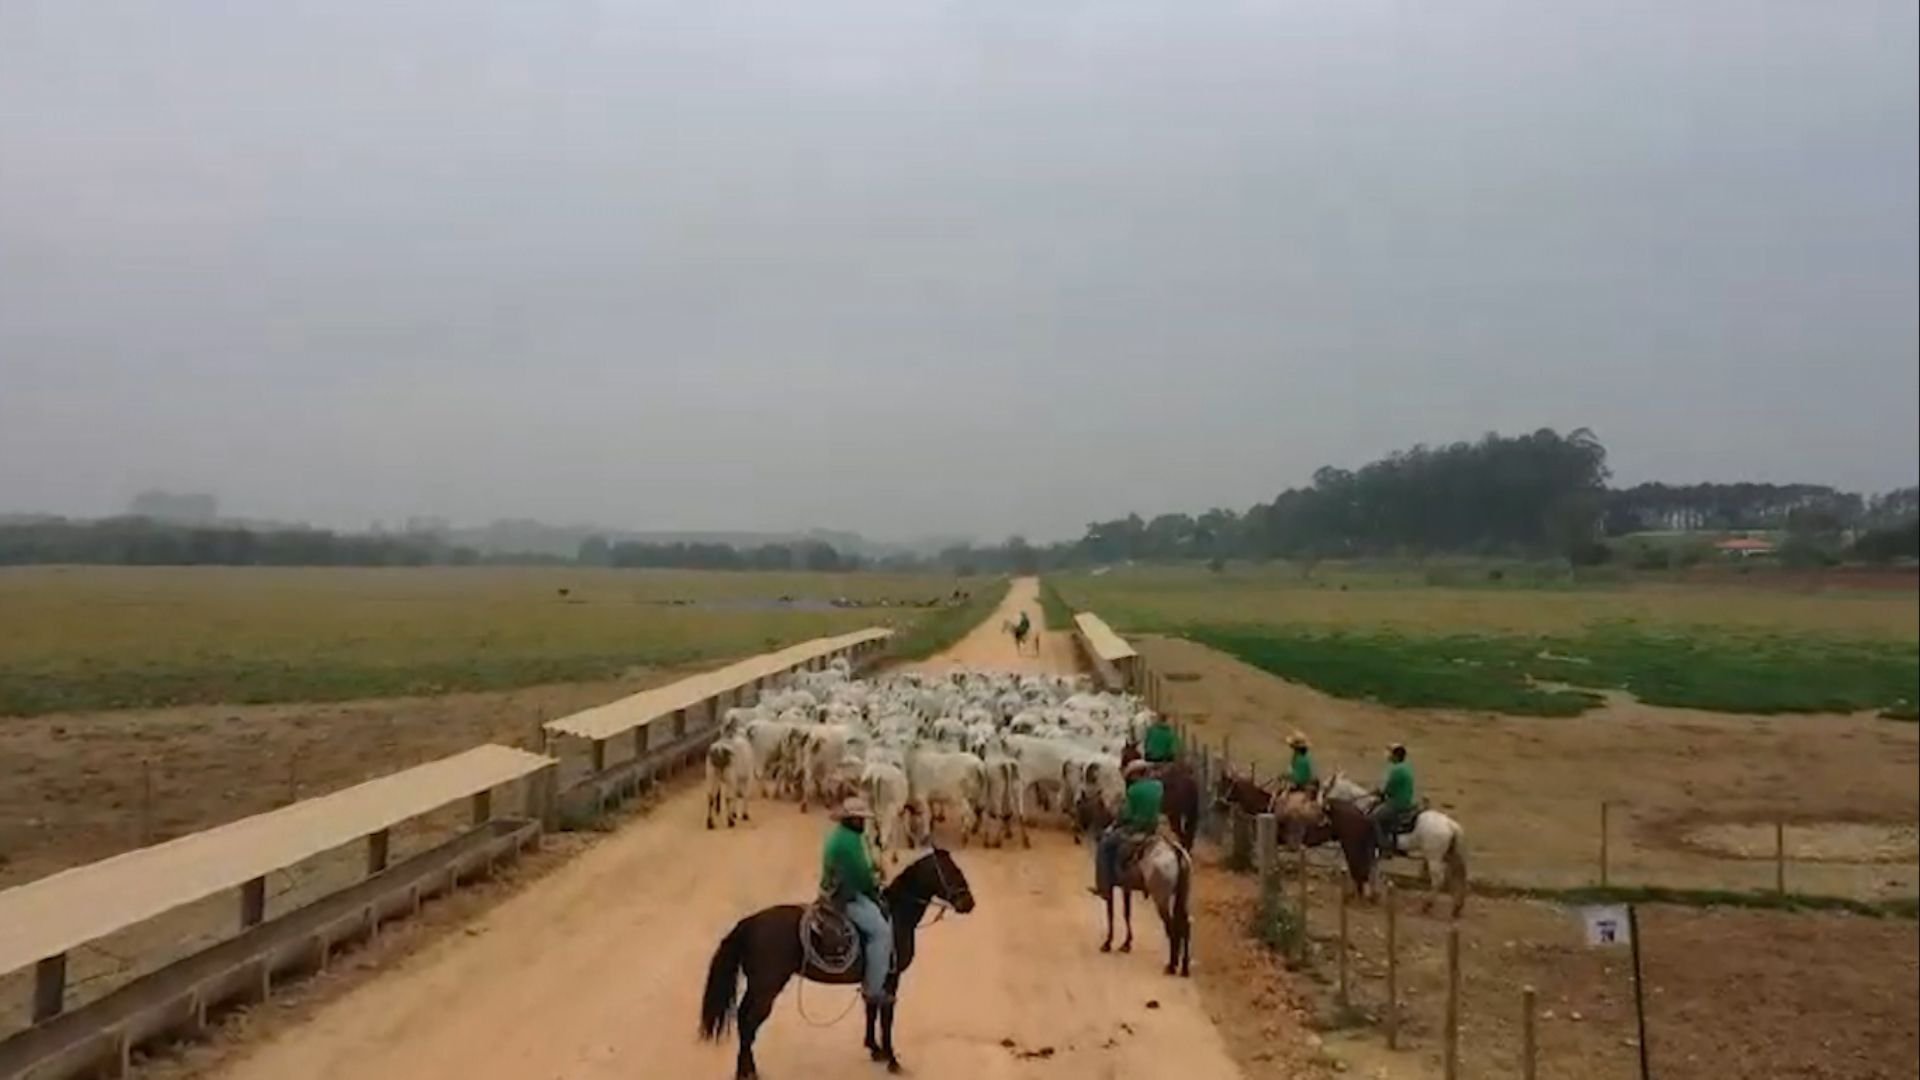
827 937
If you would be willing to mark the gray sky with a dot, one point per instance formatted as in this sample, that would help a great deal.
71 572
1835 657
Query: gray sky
912 267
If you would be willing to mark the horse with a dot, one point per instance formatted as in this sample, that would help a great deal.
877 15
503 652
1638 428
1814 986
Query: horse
1164 871
766 948
1179 800
1436 840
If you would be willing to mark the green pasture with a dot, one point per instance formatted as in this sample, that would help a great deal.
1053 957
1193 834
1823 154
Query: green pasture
1512 644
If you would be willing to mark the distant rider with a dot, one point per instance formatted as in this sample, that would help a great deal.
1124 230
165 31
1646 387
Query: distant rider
848 878
1139 819
1396 799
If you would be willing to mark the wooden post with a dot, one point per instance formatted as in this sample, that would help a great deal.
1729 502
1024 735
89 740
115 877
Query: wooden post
482 808
49 987
253 903
599 756
1242 851
1453 1002
1780 857
1302 865
1345 999
378 845
1266 856
1528 1046
1603 843
1393 966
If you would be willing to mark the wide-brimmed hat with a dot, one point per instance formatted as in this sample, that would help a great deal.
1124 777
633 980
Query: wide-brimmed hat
1297 740
1135 768
853 807
1401 747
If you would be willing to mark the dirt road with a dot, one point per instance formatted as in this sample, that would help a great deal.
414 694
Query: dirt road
989 647
596 971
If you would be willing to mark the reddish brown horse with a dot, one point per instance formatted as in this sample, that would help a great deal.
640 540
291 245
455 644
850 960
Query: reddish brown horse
1179 793
1337 821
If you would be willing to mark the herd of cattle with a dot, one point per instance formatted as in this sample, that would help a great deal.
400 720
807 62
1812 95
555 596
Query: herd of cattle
982 751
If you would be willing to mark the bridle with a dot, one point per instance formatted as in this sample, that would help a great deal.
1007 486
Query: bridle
939 900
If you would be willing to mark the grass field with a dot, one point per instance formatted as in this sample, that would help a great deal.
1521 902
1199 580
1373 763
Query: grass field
109 637
1531 646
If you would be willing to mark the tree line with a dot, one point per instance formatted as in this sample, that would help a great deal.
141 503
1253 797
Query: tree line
138 541
1530 495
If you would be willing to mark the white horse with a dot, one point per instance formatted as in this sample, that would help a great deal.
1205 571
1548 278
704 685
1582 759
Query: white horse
1164 871
1436 840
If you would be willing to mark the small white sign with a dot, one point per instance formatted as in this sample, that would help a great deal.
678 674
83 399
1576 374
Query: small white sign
1607 925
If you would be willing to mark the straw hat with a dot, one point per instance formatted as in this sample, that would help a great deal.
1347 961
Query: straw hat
1401 747
1136 767
1297 740
854 807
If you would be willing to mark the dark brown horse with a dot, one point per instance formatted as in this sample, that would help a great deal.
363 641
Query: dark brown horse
1330 820
765 947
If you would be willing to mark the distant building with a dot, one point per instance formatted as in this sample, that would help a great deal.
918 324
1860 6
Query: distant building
175 508
1744 547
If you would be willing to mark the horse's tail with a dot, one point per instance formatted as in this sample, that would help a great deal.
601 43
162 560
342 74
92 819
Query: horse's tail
1456 863
716 1005
1190 815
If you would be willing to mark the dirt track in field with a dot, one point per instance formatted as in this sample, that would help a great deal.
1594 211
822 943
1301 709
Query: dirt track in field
596 971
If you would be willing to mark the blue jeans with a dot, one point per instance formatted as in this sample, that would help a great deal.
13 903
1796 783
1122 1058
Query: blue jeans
1106 859
876 936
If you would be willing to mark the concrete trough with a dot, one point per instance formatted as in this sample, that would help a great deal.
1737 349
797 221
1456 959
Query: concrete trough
99 1038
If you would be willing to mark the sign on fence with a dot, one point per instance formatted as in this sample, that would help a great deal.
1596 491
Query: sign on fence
1607 925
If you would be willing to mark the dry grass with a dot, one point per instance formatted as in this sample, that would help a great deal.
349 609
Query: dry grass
111 637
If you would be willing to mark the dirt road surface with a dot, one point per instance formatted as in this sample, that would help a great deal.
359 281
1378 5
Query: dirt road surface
595 972
989 647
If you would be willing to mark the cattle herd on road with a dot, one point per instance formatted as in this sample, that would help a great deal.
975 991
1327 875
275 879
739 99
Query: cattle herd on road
981 754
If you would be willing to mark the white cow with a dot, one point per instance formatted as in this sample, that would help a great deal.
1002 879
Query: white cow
950 780
884 784
729 780
825 751
1006 800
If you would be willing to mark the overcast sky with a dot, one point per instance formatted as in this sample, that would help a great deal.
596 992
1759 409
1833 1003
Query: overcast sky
910 267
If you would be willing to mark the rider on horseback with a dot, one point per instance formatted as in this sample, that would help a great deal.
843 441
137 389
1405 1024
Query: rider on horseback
1396 806
1161 744
1139 819
848 879
1300 774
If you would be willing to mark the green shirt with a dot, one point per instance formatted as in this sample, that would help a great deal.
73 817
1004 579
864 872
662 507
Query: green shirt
1302 773
1161 744
844 868
1142 812
1398 789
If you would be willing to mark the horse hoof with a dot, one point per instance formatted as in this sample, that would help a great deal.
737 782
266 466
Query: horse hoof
894 1067
709 826
1128 947
876 1053
1169 969
1106 946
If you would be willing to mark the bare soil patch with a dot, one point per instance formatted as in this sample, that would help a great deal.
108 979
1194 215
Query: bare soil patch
1528 790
